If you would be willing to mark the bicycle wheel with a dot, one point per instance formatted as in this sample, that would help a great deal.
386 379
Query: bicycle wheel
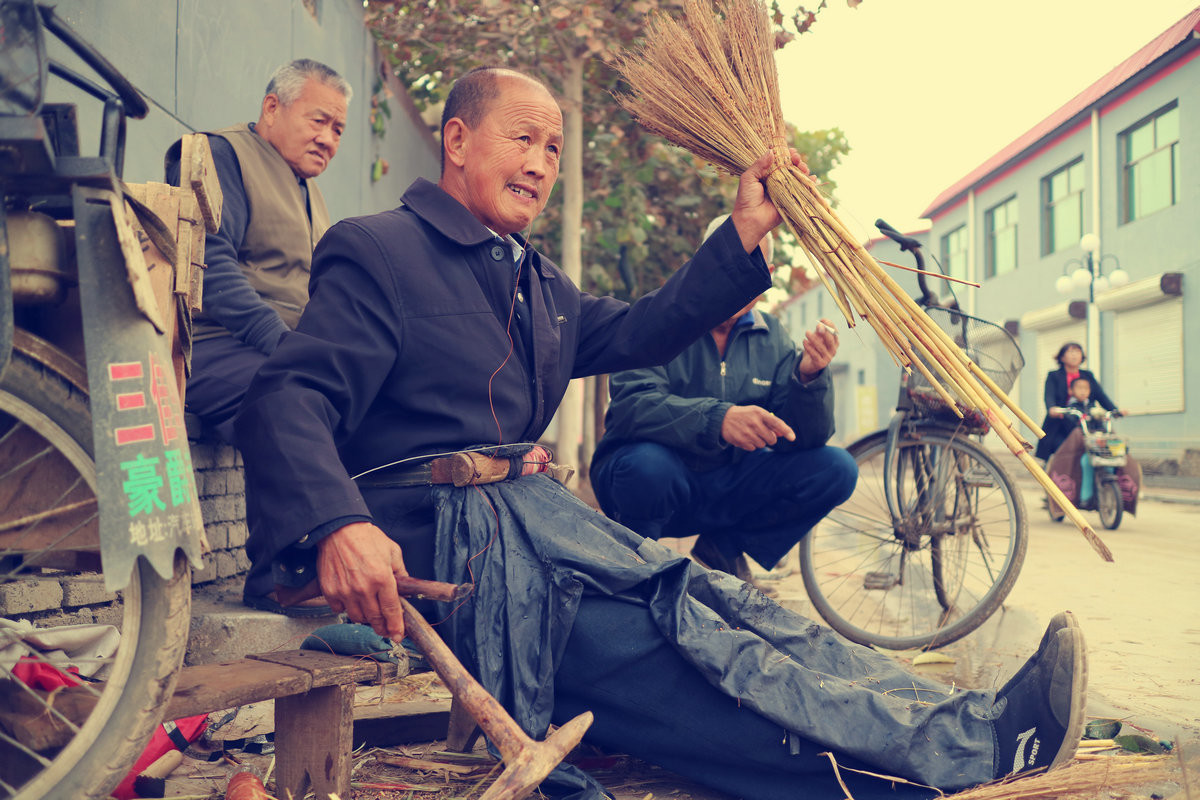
943 569
1109 502
76 742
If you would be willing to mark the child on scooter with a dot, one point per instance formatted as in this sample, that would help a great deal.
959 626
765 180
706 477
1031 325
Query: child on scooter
1081 399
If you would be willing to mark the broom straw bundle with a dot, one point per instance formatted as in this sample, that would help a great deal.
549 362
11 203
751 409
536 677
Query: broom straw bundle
708 83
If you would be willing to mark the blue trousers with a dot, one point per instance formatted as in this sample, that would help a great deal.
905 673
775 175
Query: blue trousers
761 504
222 369
649 702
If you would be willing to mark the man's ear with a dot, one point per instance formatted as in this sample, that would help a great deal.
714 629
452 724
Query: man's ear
270 108
454 141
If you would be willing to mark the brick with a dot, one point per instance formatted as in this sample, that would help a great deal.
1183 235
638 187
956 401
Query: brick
83 592
80 616
109 615
203 455
211 482
235 481
207 573
238 533
243 560
218 535
23 597
227 456
226 564
222 509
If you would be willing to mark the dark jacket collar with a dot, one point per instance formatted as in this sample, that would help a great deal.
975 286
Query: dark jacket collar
452 219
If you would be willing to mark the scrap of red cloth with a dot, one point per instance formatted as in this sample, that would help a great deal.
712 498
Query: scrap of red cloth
43 675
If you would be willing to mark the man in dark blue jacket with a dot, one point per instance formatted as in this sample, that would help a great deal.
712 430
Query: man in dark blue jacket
435 329
727 440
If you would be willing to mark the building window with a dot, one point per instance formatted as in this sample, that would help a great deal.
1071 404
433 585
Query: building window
1150 164
1000 225
1062 208
954 253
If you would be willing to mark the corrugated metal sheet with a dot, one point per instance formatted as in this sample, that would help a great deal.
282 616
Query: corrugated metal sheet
1124 72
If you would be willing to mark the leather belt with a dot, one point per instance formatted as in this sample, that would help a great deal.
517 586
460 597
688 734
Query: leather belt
468 469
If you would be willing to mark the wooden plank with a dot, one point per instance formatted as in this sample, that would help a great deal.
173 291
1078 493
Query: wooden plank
197 170
313 736
211 687
388 724
326 669
161 200
461 729
189 218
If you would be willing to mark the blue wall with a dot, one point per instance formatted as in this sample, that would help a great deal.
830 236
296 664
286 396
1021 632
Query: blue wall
204 64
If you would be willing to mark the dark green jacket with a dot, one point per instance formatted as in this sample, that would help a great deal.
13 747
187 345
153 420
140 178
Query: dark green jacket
682 404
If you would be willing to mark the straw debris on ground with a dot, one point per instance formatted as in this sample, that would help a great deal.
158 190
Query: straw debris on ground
1132 777
708 83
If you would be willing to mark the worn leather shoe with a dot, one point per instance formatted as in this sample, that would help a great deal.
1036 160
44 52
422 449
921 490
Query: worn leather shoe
312 607
1038 716
706 553
742 567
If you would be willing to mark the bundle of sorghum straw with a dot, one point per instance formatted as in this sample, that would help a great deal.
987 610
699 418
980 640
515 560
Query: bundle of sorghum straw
708 83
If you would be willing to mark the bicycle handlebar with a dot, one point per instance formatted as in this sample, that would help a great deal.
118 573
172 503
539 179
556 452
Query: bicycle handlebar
1075 412
907 243
911 245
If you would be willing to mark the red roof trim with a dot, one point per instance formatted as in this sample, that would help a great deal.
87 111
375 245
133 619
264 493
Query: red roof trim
1124 72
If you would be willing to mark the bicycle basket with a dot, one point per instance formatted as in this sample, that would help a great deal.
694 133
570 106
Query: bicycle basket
990 346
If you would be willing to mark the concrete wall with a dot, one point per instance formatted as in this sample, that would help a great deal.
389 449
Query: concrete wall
204 64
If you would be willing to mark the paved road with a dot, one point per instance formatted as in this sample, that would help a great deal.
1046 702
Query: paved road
1140 614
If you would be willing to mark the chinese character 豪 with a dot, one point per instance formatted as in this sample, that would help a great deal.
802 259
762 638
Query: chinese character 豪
141 488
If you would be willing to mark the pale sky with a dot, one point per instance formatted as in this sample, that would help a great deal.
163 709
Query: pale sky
927 90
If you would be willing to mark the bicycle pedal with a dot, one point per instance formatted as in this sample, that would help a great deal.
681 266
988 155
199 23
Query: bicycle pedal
880 580
978 478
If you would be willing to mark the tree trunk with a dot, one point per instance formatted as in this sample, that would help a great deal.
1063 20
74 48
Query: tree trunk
589 430
570 412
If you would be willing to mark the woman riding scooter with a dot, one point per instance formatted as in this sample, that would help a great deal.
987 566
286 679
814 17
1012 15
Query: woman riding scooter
1070 468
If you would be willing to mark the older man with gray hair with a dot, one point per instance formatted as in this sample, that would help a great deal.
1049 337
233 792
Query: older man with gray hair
727 441
259 261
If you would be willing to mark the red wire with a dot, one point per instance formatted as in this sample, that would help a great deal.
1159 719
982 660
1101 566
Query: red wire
499 432
507 330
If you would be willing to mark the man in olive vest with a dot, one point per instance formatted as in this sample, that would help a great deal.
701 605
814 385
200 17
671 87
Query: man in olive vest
256 282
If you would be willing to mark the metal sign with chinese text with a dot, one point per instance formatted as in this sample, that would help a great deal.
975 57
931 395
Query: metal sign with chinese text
145 482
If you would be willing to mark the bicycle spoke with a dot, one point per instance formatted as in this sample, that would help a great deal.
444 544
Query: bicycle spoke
941 569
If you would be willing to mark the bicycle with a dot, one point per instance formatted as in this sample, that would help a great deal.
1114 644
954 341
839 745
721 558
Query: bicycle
934 536
96 486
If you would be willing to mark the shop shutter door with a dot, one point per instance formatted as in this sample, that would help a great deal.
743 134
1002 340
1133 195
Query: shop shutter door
1149 358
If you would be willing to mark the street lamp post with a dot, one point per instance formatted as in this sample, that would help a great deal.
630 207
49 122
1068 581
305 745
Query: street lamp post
1089 273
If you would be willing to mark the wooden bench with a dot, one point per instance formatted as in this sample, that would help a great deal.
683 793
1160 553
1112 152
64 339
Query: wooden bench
314 709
